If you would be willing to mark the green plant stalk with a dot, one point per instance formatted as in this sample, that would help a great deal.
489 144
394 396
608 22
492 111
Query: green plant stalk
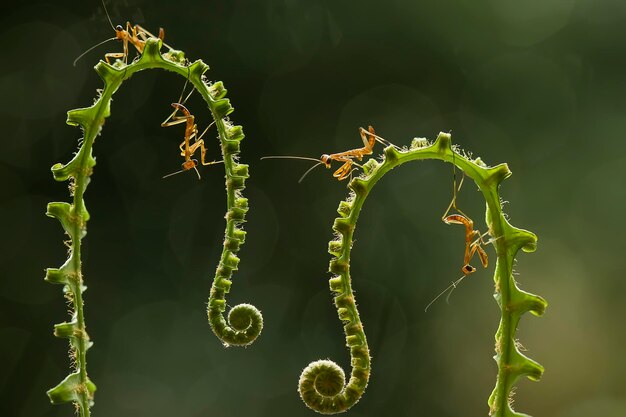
322 382
247 320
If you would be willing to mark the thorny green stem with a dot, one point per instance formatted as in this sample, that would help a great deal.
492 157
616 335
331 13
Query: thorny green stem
322 382
245 319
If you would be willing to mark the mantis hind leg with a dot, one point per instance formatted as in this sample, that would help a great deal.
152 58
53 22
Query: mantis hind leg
200 144
368 142
455 190
482 254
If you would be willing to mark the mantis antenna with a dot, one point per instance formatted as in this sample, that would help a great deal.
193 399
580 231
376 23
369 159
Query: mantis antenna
182 170
450 287
309 170
107 13
297 157
91 49
100 43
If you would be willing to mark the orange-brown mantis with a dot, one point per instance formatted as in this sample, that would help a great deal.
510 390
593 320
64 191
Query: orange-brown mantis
133 34
473 239
187 149
368 137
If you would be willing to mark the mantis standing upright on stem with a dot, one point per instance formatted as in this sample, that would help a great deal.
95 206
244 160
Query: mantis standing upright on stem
368 137
133 34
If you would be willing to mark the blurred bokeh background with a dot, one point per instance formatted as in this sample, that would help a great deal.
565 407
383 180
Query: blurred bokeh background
540 85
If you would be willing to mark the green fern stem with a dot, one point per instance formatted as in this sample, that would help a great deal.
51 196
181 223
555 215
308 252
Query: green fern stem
322 383
77 387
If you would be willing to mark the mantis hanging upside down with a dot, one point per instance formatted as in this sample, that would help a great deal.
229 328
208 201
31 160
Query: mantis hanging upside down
187 148
473 239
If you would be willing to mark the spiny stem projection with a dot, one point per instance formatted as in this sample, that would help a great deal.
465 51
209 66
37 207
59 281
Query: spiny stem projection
322 383
245 319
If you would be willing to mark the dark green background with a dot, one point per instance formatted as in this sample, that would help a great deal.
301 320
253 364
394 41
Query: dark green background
538 84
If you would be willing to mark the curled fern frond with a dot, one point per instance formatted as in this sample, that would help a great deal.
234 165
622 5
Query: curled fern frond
245 320
322 382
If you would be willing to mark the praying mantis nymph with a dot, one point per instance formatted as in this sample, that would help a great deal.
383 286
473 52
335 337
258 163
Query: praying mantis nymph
368 137
473 239
133 34
187 149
